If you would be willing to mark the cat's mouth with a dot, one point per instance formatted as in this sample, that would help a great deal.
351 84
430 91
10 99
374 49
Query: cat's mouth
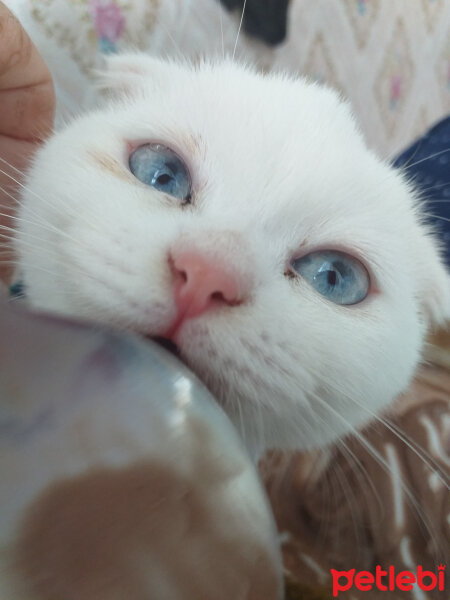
167 344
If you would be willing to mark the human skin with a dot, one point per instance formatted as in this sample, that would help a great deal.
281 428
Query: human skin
27 105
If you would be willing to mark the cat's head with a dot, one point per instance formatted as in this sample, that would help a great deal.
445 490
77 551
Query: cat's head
242 216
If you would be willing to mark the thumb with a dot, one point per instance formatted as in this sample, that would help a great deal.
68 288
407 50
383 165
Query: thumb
27 97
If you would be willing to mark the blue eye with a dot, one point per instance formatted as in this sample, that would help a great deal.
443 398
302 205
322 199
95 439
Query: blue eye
337 276
159 167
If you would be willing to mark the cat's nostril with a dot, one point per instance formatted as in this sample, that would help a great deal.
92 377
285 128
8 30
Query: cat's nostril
218 297
182 275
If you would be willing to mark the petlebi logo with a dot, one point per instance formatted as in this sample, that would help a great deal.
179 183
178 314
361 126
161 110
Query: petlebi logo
388 579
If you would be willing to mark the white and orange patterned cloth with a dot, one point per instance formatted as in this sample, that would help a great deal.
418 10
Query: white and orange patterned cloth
351 508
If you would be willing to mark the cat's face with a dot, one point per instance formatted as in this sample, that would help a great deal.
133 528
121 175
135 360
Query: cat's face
266 171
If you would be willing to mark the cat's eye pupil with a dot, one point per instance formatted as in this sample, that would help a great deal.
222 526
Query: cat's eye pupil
159 167
332 277
163 179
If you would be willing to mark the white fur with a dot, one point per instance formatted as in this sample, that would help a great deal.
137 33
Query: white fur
279 165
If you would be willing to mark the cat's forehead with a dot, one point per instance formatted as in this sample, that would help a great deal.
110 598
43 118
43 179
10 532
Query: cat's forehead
278 152
230 111
256 137
240 129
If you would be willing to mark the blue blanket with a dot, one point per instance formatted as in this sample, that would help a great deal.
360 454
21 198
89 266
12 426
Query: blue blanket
427 162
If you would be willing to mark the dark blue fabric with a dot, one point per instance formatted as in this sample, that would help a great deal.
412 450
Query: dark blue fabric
427 162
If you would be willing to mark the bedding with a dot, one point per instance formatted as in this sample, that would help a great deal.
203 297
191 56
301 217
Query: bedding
344 510
427 164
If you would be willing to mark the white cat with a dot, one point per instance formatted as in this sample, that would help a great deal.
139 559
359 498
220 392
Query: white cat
240 216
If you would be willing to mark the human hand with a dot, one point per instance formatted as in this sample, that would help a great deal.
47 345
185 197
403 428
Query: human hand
27 104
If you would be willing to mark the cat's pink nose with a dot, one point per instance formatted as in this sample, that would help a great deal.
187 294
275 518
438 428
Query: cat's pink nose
202 282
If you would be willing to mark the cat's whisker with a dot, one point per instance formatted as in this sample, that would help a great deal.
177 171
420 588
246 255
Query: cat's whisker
361 474
241 420
46 242
343 447
39 222
347 453
418 162
352 503
409 440
438 217
60 207
39 267
327 518
41 225
422 454
9 194
239 29
327 476
5 251
333 484
43 250
14 263
18 202
429 188
12 210
221 31
427 459
17 182
48 226
7 261
5 228
257 426
173 42
384 465
11 237
438 201
9 244
11 166
279 466
408 162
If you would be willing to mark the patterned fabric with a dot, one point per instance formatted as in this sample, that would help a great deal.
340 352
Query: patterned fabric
73 36
351 509
109 23
391 59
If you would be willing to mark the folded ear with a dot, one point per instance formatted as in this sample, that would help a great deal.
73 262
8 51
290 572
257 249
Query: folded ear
126 74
